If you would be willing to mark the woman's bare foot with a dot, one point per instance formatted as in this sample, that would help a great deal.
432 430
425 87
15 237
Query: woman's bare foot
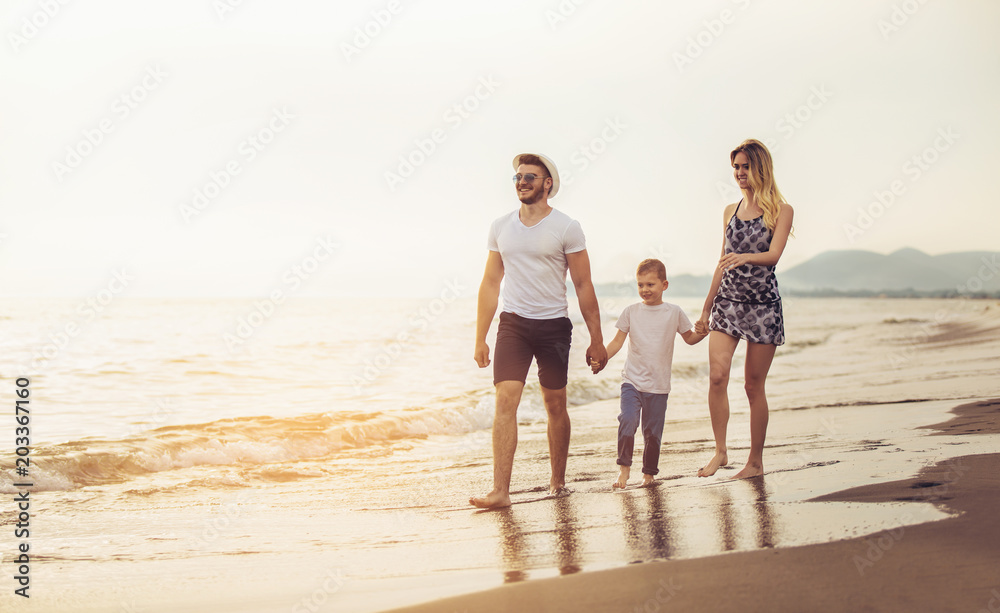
623 473
752 469
493 500
647 480
721 458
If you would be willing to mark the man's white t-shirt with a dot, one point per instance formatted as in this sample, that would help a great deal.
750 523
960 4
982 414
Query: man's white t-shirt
534 262
651 331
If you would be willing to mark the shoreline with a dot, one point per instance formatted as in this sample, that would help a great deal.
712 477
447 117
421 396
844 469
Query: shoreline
948 565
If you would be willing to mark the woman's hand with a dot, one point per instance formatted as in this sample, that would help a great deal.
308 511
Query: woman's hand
701 326
733 260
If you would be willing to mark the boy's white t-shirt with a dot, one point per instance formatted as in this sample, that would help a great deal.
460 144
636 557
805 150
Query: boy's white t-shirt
651 331
534 262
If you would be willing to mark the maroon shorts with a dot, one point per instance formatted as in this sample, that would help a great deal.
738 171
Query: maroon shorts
520 339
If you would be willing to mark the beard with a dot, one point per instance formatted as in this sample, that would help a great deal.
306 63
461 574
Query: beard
531 197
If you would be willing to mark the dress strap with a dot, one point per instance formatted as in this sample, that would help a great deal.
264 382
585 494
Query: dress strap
737 209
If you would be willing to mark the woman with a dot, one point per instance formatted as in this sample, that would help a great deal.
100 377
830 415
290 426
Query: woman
743 301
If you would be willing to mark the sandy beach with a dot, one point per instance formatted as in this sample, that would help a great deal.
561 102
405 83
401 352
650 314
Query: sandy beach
947 565
915 562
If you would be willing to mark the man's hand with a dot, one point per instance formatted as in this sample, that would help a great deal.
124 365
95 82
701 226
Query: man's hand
597 357
482 355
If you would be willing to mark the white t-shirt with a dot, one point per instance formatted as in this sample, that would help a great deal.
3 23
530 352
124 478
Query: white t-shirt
651 331
534 262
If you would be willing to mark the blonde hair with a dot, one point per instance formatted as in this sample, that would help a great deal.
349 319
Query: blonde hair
761 178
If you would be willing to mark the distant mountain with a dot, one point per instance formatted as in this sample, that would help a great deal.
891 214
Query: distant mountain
906 272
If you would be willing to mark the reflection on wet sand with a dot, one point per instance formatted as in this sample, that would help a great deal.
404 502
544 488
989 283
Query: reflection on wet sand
518 556
656 523
648 534
567 543
733 501
511 546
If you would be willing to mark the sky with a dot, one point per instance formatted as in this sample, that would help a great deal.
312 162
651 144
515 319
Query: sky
242 147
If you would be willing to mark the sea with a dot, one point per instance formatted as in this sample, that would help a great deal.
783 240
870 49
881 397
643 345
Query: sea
331 444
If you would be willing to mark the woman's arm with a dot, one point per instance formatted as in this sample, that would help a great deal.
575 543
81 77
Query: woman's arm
717 277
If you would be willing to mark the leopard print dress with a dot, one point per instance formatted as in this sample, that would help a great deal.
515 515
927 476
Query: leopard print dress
747 304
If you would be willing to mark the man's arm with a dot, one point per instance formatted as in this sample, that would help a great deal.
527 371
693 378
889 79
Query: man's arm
579 272
489 298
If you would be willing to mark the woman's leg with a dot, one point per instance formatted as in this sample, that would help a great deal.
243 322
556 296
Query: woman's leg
721 347
755 373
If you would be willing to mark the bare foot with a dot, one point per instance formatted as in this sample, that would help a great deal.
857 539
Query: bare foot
559 490
493 500
623 472
719 459
647 480
752 469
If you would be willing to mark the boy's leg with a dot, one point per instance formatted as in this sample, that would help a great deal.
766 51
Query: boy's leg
654 410
628 423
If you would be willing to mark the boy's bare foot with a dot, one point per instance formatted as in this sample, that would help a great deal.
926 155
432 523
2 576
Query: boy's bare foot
752 469
647 480
719 459
493 500
623 473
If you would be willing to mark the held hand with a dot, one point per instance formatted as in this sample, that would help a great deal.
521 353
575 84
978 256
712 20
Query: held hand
597 357
482 355
733 260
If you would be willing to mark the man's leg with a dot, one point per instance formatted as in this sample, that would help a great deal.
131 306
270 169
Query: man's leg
559 432
504 444
550 344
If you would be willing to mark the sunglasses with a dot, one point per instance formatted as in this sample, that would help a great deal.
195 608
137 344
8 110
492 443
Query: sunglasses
530 177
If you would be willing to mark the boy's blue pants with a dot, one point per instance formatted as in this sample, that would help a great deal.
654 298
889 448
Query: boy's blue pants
649 410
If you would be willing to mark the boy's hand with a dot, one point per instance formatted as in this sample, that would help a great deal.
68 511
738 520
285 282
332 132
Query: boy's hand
700 328
597 357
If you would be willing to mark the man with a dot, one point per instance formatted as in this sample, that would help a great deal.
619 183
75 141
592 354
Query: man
533 247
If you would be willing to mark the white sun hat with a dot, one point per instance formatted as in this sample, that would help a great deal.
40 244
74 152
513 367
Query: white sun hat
549 165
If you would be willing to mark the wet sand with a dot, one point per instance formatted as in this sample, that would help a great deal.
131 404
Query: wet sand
883 500
947 565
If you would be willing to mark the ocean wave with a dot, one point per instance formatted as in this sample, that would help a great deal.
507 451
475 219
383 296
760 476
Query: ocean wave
264 440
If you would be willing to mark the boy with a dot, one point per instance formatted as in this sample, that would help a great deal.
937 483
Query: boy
650 327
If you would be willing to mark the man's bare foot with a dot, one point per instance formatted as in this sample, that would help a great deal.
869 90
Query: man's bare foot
493 500
623 472
647 480
752 469
719 459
